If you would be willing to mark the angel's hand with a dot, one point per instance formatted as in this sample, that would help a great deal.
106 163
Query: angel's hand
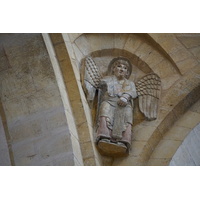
102 85
122 102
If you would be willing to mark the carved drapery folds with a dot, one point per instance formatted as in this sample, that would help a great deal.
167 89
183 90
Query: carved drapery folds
115 94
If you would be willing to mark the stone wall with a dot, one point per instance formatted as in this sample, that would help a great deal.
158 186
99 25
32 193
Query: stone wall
171 149
4 152
41 91
37 126
174 57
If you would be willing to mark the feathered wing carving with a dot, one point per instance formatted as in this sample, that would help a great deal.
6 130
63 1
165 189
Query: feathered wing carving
148 90
91 78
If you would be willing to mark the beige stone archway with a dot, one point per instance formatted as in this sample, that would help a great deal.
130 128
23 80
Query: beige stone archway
172 140
46 119
164 54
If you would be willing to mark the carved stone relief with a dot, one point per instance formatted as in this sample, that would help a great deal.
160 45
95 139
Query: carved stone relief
114 95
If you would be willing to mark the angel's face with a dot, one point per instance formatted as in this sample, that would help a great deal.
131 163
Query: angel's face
120 71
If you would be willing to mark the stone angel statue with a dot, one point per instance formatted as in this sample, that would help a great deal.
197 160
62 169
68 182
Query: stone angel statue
116 94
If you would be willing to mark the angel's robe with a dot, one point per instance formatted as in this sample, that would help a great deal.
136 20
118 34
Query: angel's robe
117 117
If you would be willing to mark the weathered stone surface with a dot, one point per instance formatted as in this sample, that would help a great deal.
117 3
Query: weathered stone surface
189 40
54 144
87 150
107 41
74 36
120 40
24 129
174 48
94 41
65 159
142 132
165 149
83 130
176 51
169 81
168 42
77 150
78 53
158 161
16 84
176 133
164 69
90 161
72 88
57 38
154 58
112 149
182 88
180 55
188 146
4 151
127 161
61 51
144 51
132 43
70 50
196 52
156 136
34 112
190 120
187 64
4 60
83 44
137 148
32 104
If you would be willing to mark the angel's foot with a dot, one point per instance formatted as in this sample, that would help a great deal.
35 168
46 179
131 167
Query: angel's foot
105 140
121 144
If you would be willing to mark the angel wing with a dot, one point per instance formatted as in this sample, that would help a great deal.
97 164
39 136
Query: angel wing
91 78
148 90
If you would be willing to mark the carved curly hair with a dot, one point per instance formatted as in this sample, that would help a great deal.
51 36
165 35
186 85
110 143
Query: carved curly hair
121 60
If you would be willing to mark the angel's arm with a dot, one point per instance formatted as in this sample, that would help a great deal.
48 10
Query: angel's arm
127 95
131 93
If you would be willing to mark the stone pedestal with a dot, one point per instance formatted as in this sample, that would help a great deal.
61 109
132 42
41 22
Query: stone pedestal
109 148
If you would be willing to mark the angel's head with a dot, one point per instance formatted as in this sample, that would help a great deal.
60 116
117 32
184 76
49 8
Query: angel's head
121 67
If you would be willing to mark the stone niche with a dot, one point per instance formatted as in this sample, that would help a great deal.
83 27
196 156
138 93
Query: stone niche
174 57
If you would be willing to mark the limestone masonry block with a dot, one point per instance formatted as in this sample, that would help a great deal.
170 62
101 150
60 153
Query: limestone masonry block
94 41
120 40
132 43
83 44
176 133
166 149
189 41
190 120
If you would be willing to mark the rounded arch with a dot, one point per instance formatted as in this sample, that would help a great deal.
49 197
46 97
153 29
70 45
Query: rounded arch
179 91
144 52
135 60
160 147
174 141
188 152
